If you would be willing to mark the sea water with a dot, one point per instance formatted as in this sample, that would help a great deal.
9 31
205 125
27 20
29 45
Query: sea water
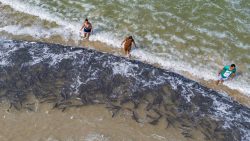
198 37
194 38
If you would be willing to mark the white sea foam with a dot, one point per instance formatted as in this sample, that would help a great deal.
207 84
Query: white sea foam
5 52
241 45
190 37
156 39
212 33
68 26
167 63
240 85
128 69
31 9
107 38
178 39
34 31
45 54
124 68
76 84
87 7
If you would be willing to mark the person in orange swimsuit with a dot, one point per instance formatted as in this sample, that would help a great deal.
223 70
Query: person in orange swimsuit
128 44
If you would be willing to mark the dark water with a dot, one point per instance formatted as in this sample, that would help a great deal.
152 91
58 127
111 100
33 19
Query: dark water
72 77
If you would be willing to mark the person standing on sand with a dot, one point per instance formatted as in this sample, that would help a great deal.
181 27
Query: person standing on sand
128 44
87 29
228 72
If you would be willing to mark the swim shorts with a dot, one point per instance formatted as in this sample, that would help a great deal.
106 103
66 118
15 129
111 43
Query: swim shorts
221 78
87 30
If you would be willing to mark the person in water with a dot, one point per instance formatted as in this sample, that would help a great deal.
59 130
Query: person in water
128 44
86 28
228 72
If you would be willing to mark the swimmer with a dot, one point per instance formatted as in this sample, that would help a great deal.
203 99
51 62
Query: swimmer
87 29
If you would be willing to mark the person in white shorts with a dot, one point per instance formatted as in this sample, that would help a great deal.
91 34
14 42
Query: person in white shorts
228 72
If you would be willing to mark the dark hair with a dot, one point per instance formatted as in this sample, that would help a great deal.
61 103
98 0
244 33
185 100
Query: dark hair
86 19
233 65
130 37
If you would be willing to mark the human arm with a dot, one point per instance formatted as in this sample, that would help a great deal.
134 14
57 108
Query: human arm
83 25
232 76
219 72
123 41
134 43
91 29
222 70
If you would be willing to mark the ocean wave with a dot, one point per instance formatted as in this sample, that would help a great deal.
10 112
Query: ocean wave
43 14
36 32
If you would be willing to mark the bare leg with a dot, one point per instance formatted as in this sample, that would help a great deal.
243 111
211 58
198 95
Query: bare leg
84 35
88 34
125 51
217 82
129 54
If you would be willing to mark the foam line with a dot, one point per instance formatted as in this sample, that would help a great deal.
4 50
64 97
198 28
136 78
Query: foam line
178 66
34 31
42 14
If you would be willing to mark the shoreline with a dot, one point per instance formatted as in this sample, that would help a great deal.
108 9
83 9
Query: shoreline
102 47
71 77
235 94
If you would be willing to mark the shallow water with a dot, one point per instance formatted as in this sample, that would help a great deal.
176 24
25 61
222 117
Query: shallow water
198 37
